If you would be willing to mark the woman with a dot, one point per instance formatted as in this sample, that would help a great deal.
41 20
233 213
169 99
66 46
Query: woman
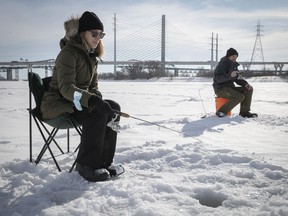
74 90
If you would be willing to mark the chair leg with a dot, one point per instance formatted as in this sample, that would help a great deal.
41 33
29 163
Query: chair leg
78 129
47 146
72 167
47 143
30 134
54 159
75 161
68 140
47 131
48 140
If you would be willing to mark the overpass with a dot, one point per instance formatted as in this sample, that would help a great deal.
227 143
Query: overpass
171 65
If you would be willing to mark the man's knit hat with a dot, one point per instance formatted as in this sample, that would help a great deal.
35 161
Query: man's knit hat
89 21
231 52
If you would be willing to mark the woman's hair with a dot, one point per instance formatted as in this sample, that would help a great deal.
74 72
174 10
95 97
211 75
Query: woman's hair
99 51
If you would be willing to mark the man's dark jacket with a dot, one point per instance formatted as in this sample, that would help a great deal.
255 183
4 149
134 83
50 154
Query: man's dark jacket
222 75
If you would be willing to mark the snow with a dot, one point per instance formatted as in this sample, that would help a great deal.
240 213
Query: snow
202 166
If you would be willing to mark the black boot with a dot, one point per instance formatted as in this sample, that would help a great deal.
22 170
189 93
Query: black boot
116 170
91 174
248 115
220 114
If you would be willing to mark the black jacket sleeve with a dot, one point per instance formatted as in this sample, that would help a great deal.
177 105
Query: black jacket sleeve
222 74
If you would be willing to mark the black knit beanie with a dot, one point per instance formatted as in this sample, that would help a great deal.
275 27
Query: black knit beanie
231 52
89 21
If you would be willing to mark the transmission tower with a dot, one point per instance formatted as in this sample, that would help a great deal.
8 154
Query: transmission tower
258 50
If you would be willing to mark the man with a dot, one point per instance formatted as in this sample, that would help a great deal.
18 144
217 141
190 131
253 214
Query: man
225 74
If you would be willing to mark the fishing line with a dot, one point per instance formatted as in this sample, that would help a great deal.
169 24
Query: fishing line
125 115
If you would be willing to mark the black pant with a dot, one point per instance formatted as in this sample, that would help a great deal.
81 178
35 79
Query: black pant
98 142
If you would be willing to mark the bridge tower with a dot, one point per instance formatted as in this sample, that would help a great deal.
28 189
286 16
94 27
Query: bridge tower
115 35
163 44
213 63
258 50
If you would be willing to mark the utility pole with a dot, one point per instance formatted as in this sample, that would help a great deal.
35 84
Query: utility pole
258 50
115 54
212 51
163 46
216 48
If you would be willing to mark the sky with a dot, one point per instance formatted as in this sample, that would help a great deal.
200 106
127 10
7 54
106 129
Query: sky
32 29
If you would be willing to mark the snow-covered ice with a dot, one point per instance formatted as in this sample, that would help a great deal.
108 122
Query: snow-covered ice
213 166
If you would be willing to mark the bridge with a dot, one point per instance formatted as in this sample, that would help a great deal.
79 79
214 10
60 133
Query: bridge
8 67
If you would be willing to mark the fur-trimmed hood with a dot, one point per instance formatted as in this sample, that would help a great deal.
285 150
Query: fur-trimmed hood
71 30
71 27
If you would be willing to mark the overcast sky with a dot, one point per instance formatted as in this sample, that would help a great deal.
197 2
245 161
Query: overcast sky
31 29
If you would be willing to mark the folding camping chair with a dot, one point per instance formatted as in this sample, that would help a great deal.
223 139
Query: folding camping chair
37 87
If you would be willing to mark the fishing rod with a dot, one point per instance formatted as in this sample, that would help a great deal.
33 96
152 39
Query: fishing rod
143 120
126 115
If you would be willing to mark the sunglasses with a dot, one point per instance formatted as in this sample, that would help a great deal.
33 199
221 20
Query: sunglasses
95 34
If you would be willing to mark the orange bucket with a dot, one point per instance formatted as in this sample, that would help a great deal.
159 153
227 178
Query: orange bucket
220 102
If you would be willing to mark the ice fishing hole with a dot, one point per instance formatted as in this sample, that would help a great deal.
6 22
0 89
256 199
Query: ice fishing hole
208 197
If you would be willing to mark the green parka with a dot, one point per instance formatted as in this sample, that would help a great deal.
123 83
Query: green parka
75 70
